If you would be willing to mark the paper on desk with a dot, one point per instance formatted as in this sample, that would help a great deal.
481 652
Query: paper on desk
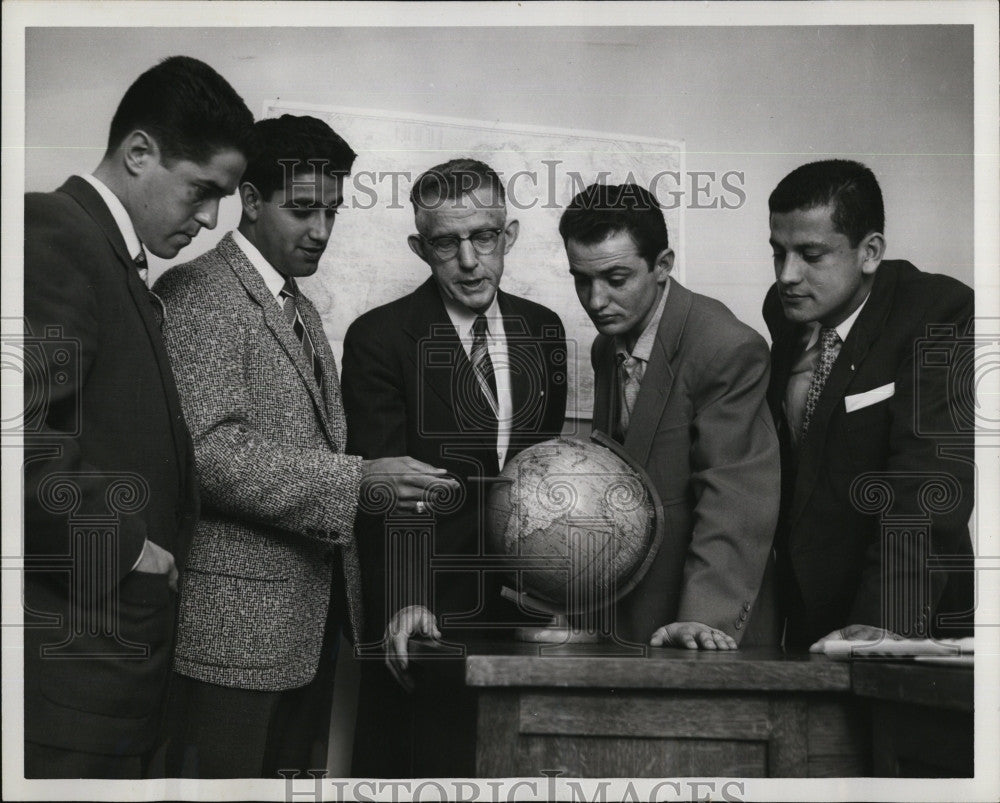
843 649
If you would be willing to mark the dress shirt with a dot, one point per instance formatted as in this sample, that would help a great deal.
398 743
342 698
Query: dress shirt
121 217
462 318
803 369
641 352
274 280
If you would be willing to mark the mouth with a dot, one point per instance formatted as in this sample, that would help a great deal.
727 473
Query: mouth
472 284
311 254
605 320
792 296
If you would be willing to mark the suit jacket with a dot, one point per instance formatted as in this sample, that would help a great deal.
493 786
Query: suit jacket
403 364
830 548
279 495
104 439
703 433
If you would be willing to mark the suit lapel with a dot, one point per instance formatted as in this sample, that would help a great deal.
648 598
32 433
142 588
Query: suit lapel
865 331
88 198
274 319
331 379
658 378
429 324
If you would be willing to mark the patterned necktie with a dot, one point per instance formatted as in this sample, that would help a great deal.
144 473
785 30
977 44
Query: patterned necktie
482 365
288 293
628 384
829 348
141 264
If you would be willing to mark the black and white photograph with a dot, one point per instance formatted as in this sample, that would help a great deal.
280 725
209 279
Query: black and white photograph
500 401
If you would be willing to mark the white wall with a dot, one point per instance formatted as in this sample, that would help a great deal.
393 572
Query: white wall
758 100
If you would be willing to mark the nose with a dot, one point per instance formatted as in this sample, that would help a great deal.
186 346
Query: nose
598 298
321 227
208 215
468 259
788 269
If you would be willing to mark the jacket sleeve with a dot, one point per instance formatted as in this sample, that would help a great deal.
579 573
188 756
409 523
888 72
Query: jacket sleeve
248 474
735 483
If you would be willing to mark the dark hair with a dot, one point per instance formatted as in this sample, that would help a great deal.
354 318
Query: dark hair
453 180
288 144
187 107
850 187
605 209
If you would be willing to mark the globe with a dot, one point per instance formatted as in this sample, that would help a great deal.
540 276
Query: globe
577 522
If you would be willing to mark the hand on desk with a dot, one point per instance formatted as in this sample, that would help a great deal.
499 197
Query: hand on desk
692 636
415 620
406 479
855 633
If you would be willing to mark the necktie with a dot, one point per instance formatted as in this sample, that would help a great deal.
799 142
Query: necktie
628 384
482 366
829 348
141 264
290 308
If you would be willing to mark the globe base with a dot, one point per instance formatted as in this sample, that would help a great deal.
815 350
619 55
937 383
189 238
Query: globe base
558 631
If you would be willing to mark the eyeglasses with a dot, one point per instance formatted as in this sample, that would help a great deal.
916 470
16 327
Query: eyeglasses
483 241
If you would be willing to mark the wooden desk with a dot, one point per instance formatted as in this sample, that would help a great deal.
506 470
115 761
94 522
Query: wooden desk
922 717
507 709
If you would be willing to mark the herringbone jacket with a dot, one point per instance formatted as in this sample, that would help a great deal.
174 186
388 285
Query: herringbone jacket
279 494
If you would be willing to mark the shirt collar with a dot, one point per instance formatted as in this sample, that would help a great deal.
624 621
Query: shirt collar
274 280
132 242
462 318
643 347
843 329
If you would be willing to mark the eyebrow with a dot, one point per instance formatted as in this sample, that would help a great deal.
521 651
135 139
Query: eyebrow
604 271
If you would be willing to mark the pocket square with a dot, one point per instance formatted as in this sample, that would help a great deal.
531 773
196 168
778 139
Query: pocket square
869 397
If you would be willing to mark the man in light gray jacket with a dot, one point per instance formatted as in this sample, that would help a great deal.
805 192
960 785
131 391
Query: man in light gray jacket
273 569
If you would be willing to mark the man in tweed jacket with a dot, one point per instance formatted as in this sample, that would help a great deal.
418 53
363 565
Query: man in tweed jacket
273 569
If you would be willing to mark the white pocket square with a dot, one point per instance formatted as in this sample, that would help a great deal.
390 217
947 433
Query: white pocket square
869 397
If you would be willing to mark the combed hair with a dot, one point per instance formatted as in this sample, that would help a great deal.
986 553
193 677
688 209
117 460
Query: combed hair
602 210
850 187
187 107
283 146
453 180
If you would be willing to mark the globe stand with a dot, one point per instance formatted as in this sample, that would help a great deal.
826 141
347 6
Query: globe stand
558 631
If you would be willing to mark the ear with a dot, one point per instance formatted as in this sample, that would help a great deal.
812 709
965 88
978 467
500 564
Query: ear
872 250
251 200
663 265
139 151
417 246
510 235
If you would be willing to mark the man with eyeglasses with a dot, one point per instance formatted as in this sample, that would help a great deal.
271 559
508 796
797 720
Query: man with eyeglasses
461 375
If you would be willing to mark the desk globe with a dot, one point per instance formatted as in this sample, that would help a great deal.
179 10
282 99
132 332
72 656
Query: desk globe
580 524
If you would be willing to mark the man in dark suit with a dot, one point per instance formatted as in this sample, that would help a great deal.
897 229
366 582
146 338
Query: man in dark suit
872 433
273 568
680 382
458 374
110 499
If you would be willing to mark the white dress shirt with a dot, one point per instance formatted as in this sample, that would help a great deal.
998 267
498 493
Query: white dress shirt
274 280
462 318
132 243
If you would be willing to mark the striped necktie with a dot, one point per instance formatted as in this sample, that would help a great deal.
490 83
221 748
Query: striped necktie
142 264
288 304
482 365
829 348
628 384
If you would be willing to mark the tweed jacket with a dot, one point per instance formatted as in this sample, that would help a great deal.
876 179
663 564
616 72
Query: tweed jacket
403 363
702 431
896 404
104 437
279 494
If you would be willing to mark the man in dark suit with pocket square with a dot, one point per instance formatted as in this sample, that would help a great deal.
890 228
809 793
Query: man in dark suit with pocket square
873 410
110 496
